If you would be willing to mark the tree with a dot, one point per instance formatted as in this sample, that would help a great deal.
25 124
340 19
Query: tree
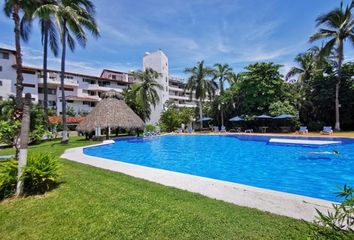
146 89
173 117
307 62
340 27
25 128
21 12
222 73
199 85
73 18
49 36
260 86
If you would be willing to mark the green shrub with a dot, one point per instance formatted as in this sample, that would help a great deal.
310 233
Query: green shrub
150 127
339 223
41 173
8 178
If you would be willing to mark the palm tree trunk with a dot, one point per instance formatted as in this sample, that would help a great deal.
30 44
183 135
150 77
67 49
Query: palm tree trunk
201 113
45 76
222 114
22 159
19 76
62 75
337 105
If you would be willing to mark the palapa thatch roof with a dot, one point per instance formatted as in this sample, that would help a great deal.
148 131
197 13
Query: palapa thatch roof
111 112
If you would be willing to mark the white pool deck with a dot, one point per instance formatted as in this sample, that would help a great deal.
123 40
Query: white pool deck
286 204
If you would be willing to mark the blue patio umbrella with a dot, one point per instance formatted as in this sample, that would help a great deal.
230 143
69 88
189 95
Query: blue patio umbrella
236 119
284 116
263 116
204 119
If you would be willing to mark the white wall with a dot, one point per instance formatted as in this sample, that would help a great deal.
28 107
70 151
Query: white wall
159 62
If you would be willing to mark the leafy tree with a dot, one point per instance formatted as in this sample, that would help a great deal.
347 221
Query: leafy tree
260 86
199 85
130 97
146 90
49 36
282 107
73 18
340 27
173 117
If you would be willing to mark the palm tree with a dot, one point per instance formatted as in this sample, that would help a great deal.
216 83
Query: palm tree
222 72
22 26
199 85
146 89
308 64
73 18
339 25
49 36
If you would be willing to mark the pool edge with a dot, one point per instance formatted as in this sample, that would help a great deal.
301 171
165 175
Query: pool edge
281 203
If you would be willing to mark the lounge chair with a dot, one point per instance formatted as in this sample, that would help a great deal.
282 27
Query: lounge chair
249 130
223 129
303 130
188 130
327 130
216 129
179 130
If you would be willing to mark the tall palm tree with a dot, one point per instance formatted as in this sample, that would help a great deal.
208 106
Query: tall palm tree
307 62
222 73
21 12
73 18
199 85
339 25
49 36
146 89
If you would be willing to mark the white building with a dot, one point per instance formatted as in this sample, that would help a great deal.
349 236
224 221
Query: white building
82 92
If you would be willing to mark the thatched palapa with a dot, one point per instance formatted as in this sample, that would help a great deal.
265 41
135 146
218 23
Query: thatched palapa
111 112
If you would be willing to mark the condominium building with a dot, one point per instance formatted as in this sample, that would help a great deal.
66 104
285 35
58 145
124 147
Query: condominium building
82 91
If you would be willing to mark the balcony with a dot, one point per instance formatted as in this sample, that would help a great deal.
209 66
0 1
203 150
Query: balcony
56 81
97 87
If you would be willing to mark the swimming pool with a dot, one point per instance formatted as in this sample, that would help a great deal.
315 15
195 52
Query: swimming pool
244 159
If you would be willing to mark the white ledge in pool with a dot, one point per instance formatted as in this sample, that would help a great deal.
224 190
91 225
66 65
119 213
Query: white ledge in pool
302 141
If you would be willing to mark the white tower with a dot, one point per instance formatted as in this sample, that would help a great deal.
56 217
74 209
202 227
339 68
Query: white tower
158 61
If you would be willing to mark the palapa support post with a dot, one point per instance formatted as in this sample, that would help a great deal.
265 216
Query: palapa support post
107 133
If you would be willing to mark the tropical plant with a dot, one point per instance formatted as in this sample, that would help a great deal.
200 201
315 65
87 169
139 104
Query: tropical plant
146 89
173 117
49 36
9 132
150 127
307 62
339 223
41 173
222 73
199 85
340 27
8 178
73 18
21 13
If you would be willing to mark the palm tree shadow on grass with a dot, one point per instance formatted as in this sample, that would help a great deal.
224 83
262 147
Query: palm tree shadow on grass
50 186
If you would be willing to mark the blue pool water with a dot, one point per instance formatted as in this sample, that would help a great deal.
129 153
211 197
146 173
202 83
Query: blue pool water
242 159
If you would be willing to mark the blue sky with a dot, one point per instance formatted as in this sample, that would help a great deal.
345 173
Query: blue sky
237 32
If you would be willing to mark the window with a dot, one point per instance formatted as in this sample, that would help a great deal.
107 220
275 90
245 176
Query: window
5 55
0 68
70 101
114 77
85 103
51 91
29 85
0 83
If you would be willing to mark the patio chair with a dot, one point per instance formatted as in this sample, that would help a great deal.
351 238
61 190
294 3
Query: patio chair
223 129
303 130
327 130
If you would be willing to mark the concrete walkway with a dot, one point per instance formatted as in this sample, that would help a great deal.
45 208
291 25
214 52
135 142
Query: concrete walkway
286 204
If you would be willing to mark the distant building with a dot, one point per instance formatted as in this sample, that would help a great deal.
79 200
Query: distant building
82 91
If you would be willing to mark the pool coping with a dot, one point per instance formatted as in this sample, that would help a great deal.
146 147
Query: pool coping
281 203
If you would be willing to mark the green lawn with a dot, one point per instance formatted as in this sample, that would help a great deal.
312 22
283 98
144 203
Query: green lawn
93 203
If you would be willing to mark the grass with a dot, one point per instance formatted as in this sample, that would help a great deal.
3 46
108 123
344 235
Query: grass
93 203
